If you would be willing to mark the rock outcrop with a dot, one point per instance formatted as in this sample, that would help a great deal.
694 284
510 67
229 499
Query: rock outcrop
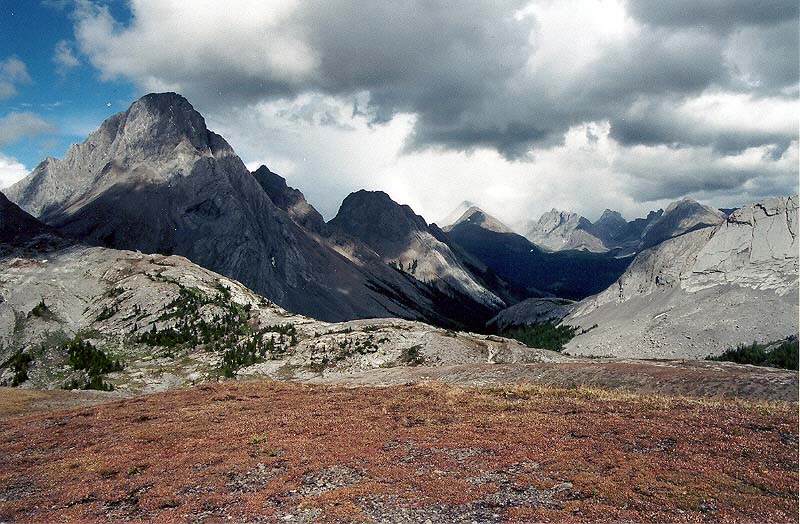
560 230
532 311
171 323
703 291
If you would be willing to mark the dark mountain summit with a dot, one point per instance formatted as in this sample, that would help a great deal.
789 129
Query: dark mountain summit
404 240
375 218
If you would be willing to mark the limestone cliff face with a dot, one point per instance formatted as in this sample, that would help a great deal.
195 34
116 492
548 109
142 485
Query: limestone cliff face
155 179
755 247
702 291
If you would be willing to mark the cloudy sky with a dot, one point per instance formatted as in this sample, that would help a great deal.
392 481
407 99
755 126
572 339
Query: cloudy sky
519 106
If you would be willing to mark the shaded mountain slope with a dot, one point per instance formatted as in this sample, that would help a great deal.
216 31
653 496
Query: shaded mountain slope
290 200
680 217
567 274
403 239
17 226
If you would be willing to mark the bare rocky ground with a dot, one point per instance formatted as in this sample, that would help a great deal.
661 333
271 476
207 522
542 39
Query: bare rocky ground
171 322
115 298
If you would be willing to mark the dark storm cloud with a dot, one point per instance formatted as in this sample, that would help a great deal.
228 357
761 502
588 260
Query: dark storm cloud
440 62
770 56
463 70
656 176
492 74
658 123
723 15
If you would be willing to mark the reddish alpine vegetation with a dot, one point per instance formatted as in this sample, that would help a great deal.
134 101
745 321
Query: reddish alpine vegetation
272 451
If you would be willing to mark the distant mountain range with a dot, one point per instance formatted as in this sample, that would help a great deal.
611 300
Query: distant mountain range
529 270
562 230
689 296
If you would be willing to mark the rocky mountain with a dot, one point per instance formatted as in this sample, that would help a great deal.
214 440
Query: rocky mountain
611 226
456 214
703 291
561 230
155 179
680 217
405 241
528 269
290 200
475 216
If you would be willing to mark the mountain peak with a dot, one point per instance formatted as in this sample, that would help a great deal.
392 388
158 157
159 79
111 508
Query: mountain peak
167 118
406 242
478 217
610 214
456 214
681 216
369 215
290 200
162 132
558 230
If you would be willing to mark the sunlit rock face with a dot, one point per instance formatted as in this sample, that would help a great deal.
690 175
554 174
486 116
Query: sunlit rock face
703 291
